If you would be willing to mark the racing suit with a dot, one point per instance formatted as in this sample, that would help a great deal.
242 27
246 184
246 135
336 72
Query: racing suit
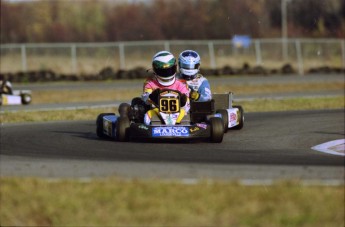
200 85
152 84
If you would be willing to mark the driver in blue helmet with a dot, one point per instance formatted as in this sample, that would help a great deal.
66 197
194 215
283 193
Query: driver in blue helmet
189 65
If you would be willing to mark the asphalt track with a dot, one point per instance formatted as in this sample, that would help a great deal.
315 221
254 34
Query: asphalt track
271 146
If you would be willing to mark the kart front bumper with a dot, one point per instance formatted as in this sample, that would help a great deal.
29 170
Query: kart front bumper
156 132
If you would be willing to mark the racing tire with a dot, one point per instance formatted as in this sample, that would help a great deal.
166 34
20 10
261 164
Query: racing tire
26 98
225 118
240 125
217 130
122 129
124 109
99 124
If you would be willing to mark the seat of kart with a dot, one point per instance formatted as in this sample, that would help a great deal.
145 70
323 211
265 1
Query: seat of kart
200 110
221 100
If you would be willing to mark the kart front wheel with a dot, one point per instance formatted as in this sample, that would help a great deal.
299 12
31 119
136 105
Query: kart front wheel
225 117
26 98
122 129
99 124
217 130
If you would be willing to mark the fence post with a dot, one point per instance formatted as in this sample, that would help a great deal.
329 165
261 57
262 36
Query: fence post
342 44
122 56
212 56
258 52
167 46
24 63
299 57
74 58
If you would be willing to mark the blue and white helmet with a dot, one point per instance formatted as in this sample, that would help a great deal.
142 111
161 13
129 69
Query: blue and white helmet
189 64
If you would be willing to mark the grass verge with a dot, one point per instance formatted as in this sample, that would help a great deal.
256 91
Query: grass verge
78 95
260 105
118 202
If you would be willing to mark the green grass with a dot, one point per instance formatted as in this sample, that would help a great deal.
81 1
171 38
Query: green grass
69 96
319 103
260 105
118 202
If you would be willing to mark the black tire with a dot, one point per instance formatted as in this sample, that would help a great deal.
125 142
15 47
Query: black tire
225 118
241 111
99 124
217 130
138 110
26 98
124 109
122 129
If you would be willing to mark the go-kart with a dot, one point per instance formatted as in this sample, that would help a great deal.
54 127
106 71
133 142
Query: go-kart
232 115
168 121
8 96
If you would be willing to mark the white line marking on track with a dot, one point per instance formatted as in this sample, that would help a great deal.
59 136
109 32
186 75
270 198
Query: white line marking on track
335 147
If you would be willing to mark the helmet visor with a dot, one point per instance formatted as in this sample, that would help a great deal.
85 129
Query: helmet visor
165 72
189 66
189 54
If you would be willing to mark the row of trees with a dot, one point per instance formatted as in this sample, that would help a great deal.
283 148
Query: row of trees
106 21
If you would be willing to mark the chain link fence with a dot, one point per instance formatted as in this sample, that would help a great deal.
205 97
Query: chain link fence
91 58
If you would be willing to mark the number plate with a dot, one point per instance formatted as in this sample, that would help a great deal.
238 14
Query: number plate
169 105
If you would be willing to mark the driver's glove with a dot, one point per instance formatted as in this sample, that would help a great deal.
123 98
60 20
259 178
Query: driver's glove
154 96
194 95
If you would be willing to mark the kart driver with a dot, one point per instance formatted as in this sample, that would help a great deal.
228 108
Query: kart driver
189 65
6 87
164 68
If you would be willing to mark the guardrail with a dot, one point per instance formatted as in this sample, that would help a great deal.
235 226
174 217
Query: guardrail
86 58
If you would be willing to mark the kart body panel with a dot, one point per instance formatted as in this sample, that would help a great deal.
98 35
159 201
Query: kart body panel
18 97
156 132
234 114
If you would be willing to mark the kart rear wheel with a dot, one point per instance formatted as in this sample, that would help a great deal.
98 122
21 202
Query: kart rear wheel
26 98
241 113
217 130
122 129
99 124
225 117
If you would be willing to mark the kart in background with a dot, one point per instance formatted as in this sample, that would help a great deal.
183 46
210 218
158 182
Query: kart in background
202 122
8 96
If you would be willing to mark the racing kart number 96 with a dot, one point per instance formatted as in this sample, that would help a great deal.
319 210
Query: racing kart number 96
169 105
